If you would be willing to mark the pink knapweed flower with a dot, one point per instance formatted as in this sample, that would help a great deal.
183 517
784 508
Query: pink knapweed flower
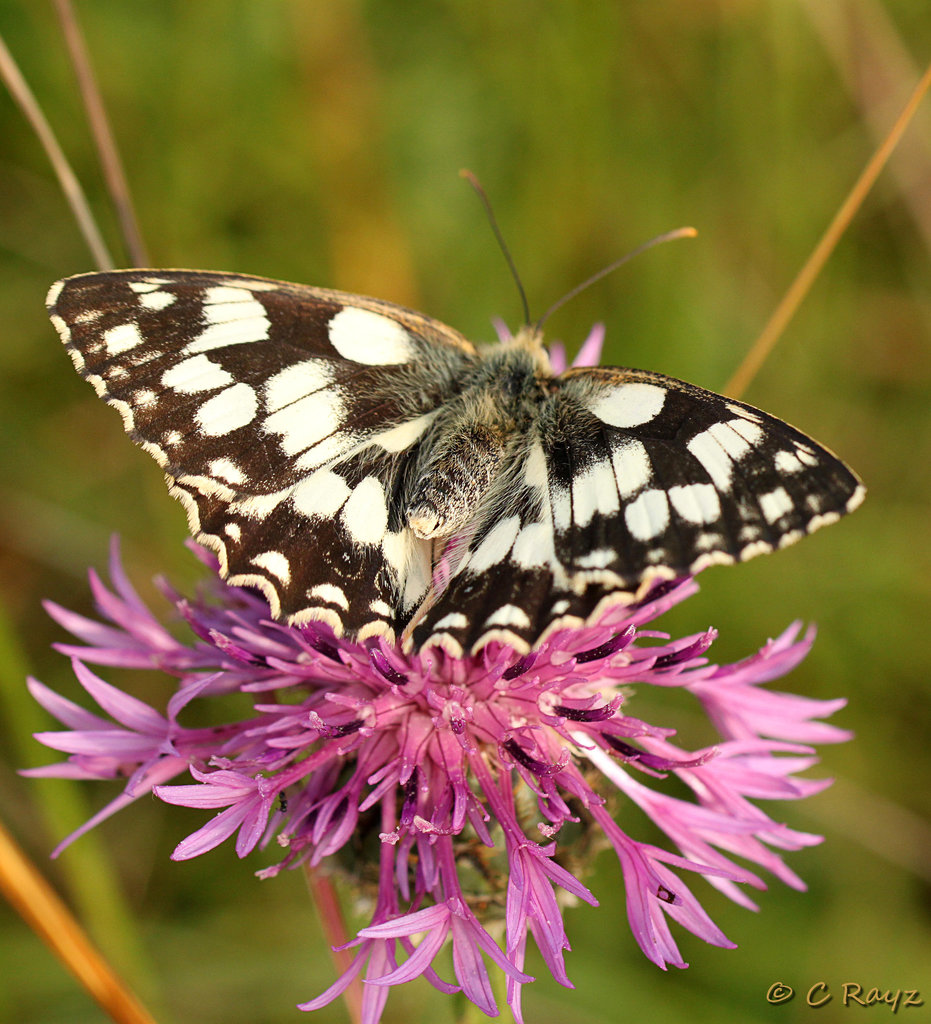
433 757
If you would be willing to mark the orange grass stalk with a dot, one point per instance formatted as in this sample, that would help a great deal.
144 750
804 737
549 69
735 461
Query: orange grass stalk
43 910
799 288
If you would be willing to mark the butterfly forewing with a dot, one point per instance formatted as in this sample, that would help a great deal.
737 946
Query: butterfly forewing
695 477
283 417
296 424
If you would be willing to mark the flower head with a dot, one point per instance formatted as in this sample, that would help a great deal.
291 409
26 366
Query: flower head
437 765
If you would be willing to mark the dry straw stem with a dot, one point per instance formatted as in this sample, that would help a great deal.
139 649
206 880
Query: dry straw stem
22 94
799 288
876 68
103 136
35 900
20 882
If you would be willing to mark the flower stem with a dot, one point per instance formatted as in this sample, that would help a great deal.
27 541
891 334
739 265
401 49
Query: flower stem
334 928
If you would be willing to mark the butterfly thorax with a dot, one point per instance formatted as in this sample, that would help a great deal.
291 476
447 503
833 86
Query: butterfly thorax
477 433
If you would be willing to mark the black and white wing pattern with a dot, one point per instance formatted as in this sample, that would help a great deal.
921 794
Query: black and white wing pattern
629 477
365 466
283 417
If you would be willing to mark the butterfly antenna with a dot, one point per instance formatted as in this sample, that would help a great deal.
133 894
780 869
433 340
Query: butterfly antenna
480 192
611 267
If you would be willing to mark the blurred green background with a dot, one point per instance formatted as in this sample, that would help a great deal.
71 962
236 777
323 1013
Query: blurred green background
320 142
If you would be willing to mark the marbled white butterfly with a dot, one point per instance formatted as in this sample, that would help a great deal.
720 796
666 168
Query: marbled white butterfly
365 466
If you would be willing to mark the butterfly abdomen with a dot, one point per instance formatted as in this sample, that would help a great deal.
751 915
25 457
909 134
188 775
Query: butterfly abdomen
475 438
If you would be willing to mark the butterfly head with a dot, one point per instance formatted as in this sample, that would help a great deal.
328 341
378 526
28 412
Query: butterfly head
528 339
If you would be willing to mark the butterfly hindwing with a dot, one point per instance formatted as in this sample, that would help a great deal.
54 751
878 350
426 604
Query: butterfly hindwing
283 417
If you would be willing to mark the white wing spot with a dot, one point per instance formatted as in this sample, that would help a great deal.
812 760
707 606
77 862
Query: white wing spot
369 338
535 472
696 503
716 447
207 486
221 300
825 520
260 506
401 437
629 405
806 455
274 562
141 287
233 531
647 516
307 421
758 547
509 615
397 549
732 441
191 376
331 594
231 409
296 382
121 339
156 300
632 467
534 546
145 398
598 558
227 470
321 494
775 504
495 547
379 607
327 450
365 514
455 620
241 332
750 432
787 462
742 412
562 508
594 492
234 317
